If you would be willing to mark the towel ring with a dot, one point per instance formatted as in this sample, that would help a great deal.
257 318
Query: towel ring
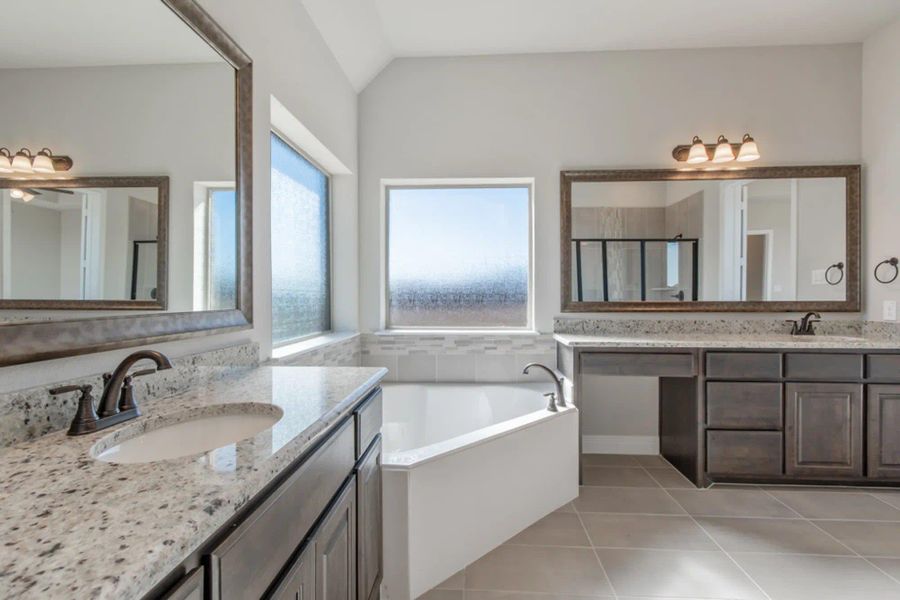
893 261
840 267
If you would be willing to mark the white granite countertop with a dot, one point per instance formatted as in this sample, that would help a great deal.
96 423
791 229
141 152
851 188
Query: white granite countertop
746 341
75 527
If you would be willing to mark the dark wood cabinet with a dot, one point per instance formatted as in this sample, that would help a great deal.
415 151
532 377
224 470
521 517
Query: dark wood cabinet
824 430
744 453
335 549
884 431
300 581
189 588
369 523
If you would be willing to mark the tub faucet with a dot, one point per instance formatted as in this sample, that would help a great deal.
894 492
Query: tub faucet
557 398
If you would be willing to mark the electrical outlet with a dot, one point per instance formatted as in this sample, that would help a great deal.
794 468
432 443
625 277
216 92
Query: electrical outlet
889 310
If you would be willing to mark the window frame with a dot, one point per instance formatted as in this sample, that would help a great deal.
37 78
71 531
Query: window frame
455 183
329 259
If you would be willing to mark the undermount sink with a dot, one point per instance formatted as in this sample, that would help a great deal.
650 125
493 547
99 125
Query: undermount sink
186 433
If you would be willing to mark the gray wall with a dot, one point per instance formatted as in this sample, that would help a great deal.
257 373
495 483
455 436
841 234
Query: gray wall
35 251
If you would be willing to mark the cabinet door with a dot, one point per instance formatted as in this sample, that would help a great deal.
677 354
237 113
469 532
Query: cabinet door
189 588
369 521
300 581
336 549
824 429
884 431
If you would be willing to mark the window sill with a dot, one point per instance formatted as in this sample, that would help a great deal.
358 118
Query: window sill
461 332
317 343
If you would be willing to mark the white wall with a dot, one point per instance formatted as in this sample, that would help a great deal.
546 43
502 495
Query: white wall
531 116
881 153
292 62
35 251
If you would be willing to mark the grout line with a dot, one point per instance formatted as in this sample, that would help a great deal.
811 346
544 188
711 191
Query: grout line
594 549
855 553
882 500
718 545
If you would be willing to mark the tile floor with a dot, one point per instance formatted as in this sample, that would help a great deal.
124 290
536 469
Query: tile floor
639 530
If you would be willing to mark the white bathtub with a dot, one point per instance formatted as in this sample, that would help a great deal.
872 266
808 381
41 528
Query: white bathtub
466 467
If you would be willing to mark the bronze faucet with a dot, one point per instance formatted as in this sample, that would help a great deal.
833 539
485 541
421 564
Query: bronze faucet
117 402
806 325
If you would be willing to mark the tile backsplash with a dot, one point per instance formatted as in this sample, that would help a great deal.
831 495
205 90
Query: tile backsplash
458 357
30 413
342 353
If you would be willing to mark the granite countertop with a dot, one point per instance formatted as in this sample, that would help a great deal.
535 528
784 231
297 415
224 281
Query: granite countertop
734 341
75 527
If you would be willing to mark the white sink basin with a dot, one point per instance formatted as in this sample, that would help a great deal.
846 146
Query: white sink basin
186 433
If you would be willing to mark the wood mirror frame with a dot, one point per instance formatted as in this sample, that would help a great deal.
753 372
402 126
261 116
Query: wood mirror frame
22 342
850 173
162 238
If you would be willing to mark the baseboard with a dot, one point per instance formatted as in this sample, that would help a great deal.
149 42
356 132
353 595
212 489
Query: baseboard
620 444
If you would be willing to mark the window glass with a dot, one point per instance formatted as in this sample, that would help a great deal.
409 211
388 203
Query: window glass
222 287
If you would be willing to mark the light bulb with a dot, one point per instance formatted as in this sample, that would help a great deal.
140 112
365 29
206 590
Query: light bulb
697 153
749 150
724 152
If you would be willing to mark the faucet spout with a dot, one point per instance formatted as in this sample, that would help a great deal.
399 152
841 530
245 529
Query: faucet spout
557 380
111 391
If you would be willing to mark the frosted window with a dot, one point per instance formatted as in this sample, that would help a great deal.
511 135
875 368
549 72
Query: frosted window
301 292
458 256
222 288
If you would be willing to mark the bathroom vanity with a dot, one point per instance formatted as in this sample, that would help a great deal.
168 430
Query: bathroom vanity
295 509
761 409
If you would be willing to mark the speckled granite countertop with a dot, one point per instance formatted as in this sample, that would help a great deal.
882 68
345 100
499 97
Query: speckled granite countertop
683 340
75 527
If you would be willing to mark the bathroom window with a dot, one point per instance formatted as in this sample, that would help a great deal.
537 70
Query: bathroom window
301 255
215 246
458 255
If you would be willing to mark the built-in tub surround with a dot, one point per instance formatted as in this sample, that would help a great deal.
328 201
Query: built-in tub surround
466 467
75 527
32 412
338 349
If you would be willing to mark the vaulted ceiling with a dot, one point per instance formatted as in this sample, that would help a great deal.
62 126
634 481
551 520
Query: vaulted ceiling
365 35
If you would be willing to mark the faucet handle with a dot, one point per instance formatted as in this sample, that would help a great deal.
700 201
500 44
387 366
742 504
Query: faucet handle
551 406
85 420
126 398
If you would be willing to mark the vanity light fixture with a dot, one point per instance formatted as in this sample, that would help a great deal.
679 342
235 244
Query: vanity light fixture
23 161
697 153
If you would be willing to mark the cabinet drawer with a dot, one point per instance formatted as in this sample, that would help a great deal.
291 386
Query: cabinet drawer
639 363
368 422
743 405
883 366
189 588
823 367
743 365
744 453
249 559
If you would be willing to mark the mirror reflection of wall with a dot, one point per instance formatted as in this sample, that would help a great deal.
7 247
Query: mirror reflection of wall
707 240
154 99
78 244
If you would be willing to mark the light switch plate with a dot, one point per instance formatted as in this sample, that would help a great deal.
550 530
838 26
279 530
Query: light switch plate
818 277
889 310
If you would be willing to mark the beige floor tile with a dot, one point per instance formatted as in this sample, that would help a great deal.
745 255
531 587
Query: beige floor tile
486 595
439 594
646 531
731 503
608 460
618 477
770 535
565 508
818 577
676 573
651 461
838 505
552 570
868 538
891 566
892 498
626 500
670 478
457 581
557 529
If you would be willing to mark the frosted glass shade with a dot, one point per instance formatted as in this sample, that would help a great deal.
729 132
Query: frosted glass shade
749 151
21 163
43 164
5 164
697 153
723 153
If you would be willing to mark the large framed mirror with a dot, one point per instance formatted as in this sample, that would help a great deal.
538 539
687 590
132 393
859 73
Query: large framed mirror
767 239
125 177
